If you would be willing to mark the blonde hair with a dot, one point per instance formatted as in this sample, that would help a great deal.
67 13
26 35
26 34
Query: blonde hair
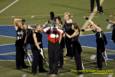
68 14
16 20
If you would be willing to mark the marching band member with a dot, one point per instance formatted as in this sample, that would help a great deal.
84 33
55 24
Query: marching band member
100 41
67 28
99 6
54 39
58 23
76 47
36 45
20 37
112 22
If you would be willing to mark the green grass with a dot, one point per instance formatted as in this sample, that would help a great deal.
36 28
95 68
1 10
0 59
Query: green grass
40 9
69 70
4 3
4 40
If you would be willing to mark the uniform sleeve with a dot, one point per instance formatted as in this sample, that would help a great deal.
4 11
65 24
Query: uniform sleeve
46 29
105 39
60 31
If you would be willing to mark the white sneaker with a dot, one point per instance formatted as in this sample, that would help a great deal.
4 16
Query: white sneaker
81 75
111 75
52 75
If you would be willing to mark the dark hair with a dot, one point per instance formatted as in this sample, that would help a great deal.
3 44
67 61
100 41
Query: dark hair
76 26
107 20
52 15
98 25
59 18
86 18
23 20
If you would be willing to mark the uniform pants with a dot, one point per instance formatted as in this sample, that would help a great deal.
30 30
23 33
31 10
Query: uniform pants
61 58
61 51
100 58
37 60
53 55
20 57
77 55
99 7
69 47
113 33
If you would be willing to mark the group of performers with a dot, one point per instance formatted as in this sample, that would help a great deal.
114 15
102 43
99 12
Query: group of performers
60 34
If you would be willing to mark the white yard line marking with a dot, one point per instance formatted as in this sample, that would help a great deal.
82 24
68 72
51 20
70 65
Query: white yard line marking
80 35
94 34
8 6
7 44
14 37
7 36
8 60
92 15
95 48
5 25
7 53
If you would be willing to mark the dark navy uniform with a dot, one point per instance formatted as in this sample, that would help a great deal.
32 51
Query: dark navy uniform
68 29
29 36
61 51
113 33
53 48
77 54
101 42
37 57
76 50
99 7
75 47
20 37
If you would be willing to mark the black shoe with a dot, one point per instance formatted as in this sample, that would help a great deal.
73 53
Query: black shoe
25 66
34 73
18 68
99 68
60 66
91 12
67 55
79 72
71 57
101 12
42 71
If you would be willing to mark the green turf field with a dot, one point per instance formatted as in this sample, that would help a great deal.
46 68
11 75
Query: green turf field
69 70
40 9
4 40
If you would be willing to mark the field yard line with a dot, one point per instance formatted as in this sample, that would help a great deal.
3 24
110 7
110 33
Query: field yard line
89 47
34 16
5 25
7 60
92 15
7 36
94 34
14 37
1 11
43 15
95 48
7 53
46 48
6 44
80 35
